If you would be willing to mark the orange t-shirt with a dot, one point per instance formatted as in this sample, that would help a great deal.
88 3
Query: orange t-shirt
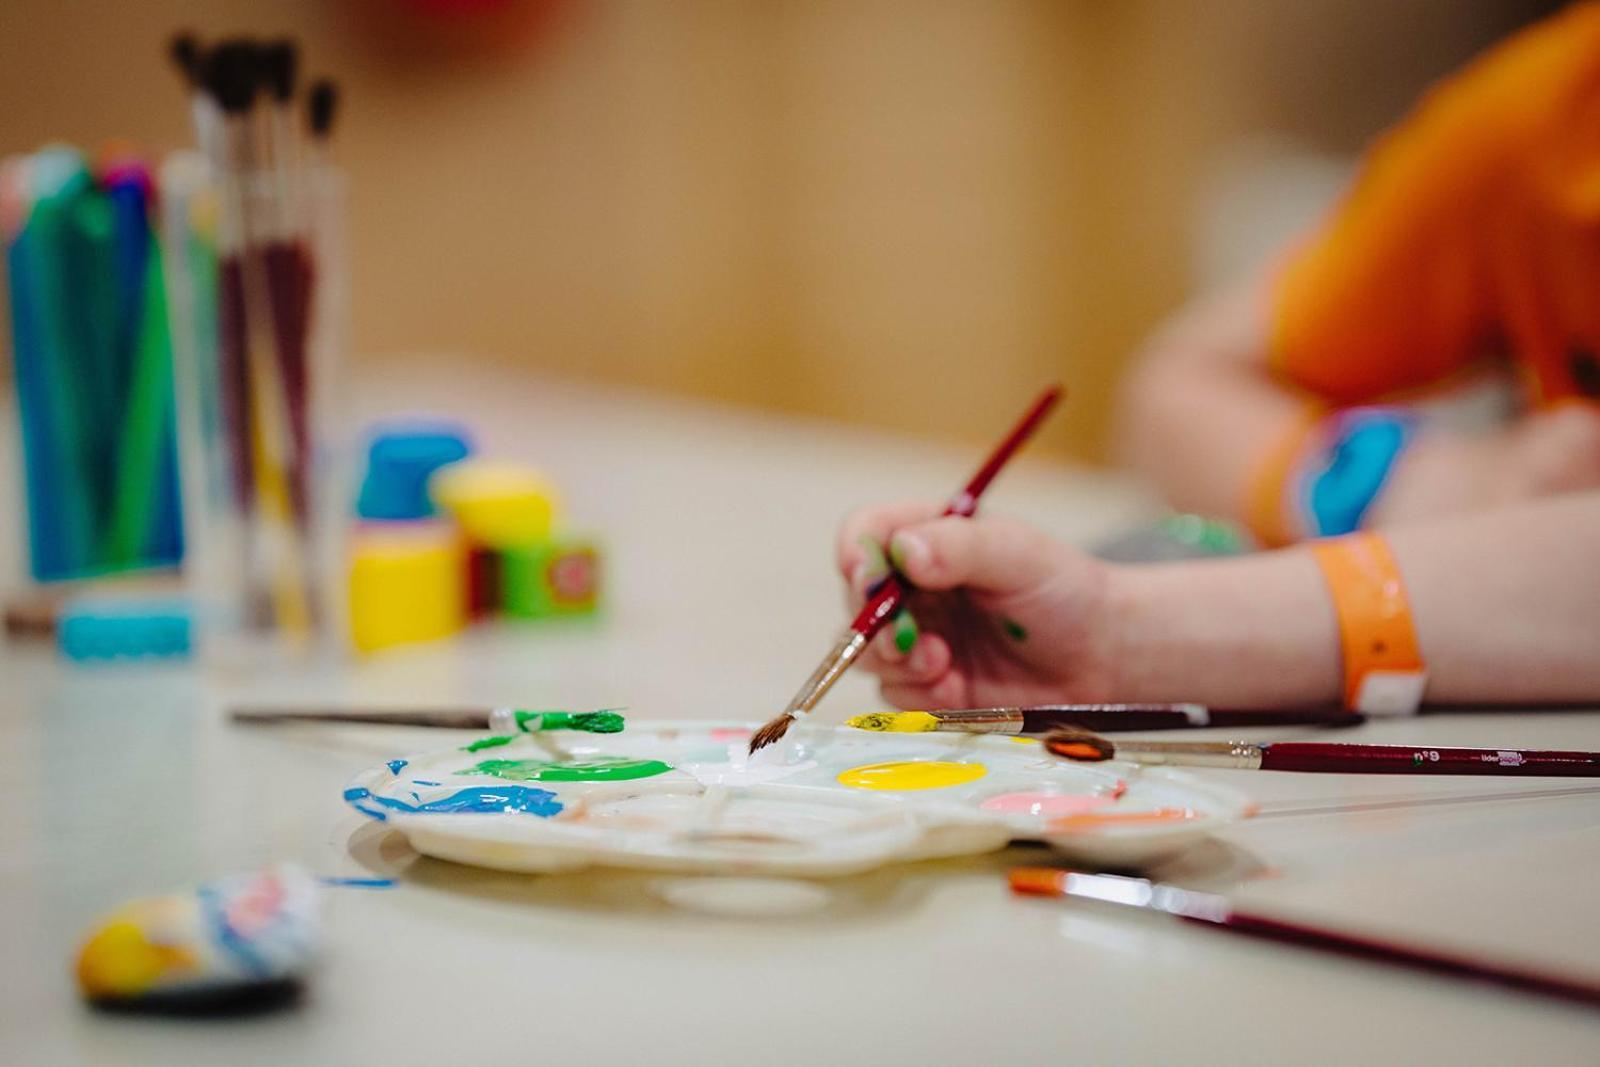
1472 230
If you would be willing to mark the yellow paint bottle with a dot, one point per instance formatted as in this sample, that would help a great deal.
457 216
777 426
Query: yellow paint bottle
407 584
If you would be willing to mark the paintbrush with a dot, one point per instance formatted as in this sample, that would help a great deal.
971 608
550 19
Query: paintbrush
1216 913
495 720
887 598
1083 746
1110 718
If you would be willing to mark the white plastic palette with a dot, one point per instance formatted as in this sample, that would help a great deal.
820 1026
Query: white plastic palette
825 801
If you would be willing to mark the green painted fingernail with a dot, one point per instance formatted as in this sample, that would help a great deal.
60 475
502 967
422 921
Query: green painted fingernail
905 630
877 565
897 553
1014 630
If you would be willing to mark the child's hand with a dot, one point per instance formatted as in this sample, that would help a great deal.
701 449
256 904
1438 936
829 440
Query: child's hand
1005 615
1546 453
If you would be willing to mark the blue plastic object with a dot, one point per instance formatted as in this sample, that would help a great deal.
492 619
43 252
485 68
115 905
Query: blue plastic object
1369 442
96 628
400 458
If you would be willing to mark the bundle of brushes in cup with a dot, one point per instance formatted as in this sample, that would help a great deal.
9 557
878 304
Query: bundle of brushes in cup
255 262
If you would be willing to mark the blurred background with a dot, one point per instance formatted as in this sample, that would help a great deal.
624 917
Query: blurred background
906 213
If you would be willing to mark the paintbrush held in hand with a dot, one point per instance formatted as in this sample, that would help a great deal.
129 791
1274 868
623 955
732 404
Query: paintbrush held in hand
495 720
883 602
1218 914
1109 718
1084 746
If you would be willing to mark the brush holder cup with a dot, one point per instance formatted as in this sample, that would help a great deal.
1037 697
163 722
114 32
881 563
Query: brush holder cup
257 292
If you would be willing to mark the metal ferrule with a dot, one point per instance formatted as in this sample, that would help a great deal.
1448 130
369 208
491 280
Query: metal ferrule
1234 755
981 721
843 653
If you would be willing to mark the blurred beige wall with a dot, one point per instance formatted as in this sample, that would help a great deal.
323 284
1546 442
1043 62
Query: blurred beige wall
909 212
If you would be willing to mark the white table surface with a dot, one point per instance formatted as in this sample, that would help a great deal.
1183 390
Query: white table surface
120 781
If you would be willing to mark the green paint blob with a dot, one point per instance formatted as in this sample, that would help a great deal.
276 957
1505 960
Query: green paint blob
599 769
1014 630
488 742
905 631
1211 536
594 722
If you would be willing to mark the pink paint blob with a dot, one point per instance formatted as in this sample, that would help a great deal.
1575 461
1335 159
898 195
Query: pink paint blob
725 733
1046 805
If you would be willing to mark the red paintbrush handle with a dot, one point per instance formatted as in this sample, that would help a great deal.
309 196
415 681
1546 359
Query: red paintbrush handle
1420 759
966 501
1262 926
885 599
880 607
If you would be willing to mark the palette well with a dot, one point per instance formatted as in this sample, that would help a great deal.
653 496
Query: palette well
827 801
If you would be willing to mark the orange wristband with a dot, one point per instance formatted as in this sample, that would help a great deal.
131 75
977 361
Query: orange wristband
1383 668
1265 509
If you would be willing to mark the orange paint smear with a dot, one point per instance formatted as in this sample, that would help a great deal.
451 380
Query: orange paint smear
1090 821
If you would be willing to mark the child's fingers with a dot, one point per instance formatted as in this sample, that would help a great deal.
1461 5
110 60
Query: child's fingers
872 527
925 663
994 555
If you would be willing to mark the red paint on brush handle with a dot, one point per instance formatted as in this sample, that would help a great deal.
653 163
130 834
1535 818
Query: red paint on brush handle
1550 985
1421 759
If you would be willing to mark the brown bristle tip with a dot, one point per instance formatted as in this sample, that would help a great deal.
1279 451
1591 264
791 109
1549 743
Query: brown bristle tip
1083 746
279 61
771 732
322 103
232 75
1036 881
184 49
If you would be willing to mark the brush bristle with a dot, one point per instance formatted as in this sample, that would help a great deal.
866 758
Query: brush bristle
279 61
232 75
1079 745
321 106
184 50
771 732
599 722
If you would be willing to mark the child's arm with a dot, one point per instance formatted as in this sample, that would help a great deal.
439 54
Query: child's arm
1506 605
1202 412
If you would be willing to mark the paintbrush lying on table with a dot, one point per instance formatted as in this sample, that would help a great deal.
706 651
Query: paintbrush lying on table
1215 912
1108 718
495 720
886 599
1084 746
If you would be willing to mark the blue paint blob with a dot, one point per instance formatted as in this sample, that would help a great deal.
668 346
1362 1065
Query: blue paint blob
355 796
360 883
397 765
422 781
478 800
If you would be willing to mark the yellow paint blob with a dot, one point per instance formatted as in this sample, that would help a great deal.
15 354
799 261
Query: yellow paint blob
896 722
120 960
930 774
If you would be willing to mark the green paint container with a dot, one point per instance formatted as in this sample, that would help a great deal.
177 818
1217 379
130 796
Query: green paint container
550 579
